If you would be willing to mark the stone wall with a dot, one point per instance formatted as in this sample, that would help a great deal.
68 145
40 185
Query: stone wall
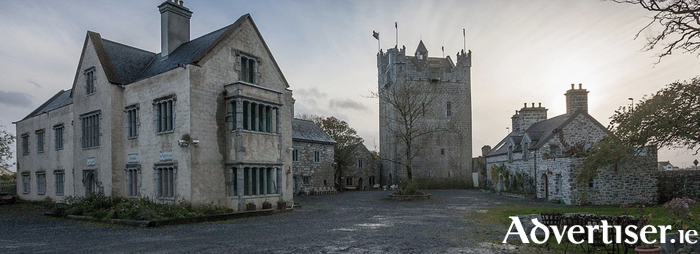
678 184
321 174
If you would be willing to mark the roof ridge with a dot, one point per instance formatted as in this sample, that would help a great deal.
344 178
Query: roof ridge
129 46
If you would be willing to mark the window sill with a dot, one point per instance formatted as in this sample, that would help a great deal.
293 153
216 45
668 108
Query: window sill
256 132
58 149
132 138
90 148
165 132
166 199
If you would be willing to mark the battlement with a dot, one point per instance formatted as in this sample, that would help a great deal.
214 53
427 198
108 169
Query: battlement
394 64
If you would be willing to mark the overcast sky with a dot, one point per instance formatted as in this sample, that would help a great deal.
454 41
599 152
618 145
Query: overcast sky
522 51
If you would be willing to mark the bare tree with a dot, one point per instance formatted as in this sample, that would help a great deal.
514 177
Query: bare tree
680 23
408 103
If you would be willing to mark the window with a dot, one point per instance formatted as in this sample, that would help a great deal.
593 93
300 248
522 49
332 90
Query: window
295 155
448 108
307 180
372 181
317 156
132 180
164 114
359 163
510 153
257 116
165 181
553 150
442 151
132 121
591 183
58 137
90 125
26 184
41 183
89 80
526 147
60 178
256 181
39 141
248 69
25 144
348 181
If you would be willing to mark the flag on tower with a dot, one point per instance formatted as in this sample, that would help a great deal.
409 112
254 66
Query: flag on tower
375 34
396 24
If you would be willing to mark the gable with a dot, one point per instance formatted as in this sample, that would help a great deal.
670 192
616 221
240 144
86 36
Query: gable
228 33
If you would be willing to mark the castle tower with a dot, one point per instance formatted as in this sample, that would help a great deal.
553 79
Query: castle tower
576 99
443 154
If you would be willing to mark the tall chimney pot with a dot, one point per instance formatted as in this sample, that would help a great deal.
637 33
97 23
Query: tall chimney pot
174 25
580 86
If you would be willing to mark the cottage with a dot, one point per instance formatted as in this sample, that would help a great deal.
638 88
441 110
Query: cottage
313 156
543 156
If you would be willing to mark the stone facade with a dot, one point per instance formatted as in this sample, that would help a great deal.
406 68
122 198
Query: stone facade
447 153
363 171
207 121
542 158
313 156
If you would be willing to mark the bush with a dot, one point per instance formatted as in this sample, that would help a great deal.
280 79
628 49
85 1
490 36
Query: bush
411 189
100 206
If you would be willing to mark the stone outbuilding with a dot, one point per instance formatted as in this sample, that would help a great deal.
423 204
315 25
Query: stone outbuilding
543 156
312 157
206 121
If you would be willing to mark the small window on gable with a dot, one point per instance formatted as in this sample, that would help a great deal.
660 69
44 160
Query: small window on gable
526 147
89 80
249 68
448 109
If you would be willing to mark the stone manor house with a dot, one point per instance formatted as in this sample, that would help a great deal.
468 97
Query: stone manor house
445 155
207 120
542 156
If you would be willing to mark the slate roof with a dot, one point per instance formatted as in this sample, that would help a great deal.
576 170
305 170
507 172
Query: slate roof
124 64
128 62
308 131
186 53
61 99
540 133
421 47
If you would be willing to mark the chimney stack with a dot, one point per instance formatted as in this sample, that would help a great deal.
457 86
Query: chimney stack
576 99
174 25
529 116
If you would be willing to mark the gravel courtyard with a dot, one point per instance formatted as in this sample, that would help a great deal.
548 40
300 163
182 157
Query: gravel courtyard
350 222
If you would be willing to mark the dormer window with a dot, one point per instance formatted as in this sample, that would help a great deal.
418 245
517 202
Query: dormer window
248 68
89 80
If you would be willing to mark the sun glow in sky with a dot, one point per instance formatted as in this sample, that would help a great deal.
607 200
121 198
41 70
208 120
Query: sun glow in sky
522 52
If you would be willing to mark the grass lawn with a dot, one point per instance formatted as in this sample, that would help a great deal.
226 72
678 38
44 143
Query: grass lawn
497 217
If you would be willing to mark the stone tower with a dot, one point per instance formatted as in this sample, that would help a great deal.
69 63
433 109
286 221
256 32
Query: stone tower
446 155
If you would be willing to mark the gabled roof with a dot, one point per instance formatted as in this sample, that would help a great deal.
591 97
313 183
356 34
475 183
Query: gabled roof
61 99
308 131
124 64
540 133
421 47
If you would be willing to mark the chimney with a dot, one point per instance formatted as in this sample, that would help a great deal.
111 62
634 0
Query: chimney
515 122
485 149
174 25
530 116
576 99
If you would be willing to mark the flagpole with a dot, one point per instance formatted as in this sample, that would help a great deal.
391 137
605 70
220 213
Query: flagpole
464 33
396 25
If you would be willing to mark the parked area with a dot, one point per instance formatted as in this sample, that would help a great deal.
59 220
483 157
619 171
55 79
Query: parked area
348 222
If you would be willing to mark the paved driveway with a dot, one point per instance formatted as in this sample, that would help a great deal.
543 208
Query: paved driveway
350 222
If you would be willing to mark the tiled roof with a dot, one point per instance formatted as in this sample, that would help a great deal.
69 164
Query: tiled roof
308 131
61 99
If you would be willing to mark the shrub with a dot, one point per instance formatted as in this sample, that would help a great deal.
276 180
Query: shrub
100 206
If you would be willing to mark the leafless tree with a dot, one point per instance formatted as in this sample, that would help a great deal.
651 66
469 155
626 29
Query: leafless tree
409 103
680 23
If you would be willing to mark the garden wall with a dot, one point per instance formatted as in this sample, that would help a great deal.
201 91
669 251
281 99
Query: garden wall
678 184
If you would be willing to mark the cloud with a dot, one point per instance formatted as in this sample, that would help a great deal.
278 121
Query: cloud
312 92
17 99
347 104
